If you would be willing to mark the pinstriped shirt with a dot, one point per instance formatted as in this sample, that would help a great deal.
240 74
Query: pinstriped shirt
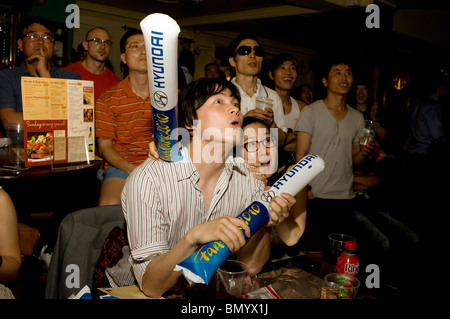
161 201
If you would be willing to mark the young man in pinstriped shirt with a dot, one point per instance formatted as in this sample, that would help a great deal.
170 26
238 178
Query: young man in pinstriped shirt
172 208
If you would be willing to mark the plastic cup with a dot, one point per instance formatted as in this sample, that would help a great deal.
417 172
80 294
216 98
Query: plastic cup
341 286
336 244
16 143
262 102
370 128
230 279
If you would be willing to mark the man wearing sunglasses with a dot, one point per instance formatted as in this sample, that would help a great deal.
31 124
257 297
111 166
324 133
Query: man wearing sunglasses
37 43
97 45
246 57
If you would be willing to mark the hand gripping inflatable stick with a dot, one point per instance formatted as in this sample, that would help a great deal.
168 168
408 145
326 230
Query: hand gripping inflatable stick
161 44
201 265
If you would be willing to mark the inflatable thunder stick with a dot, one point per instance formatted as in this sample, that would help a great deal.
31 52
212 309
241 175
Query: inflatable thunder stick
161 44
201 265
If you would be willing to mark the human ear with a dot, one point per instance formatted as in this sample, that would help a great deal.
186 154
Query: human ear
19 45
232 61
325 82
122 57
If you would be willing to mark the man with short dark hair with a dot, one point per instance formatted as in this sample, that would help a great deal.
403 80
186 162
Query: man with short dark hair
172 208
212 70
246 56
37 43
123 120
331 129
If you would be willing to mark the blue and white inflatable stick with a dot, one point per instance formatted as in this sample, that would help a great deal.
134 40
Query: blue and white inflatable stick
161 44
201 265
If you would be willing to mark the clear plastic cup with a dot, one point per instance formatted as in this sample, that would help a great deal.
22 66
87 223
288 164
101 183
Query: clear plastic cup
230 279
336 244
370 129
262 102
341 286
16 143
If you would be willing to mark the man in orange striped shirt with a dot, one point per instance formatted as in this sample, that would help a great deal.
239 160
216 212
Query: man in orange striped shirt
123 120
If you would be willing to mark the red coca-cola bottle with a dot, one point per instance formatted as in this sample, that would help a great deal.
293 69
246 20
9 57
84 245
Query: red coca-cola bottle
348 262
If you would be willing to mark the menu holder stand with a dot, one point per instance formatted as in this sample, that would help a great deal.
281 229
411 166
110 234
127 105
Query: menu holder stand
58 121
76 151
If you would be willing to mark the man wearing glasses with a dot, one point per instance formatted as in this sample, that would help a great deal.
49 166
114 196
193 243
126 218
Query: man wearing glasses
37 43
246 57
123 120
97 44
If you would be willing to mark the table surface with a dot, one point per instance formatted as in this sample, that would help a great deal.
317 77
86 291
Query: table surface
299 277
62 189
7 172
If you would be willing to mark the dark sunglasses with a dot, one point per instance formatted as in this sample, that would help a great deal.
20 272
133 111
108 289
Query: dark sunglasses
246 50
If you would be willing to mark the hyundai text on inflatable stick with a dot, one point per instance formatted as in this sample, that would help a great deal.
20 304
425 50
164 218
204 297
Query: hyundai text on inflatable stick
161 44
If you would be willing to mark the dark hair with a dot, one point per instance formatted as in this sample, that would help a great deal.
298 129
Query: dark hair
186 58
250 120
195 94
130 32
280 59
209 64
304 85
361 80
39 20
333 62
235 42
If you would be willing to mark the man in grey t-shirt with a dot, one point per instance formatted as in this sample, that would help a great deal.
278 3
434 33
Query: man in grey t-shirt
331 129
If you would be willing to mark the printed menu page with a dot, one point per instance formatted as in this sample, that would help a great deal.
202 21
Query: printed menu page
58 119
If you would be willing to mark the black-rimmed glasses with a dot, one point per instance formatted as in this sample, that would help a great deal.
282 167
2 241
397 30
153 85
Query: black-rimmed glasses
246 50
35 37
253 146
97 41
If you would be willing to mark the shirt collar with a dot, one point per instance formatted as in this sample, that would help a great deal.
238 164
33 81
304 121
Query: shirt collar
241 91
125 86
187 168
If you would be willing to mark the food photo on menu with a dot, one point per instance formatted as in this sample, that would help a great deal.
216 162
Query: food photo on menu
39 146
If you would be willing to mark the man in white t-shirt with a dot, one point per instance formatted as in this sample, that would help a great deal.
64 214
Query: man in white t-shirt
246 56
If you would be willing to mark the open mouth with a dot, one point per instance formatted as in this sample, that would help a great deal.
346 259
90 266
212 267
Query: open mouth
265 164
236 123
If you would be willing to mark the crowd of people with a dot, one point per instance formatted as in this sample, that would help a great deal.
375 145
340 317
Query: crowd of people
172 207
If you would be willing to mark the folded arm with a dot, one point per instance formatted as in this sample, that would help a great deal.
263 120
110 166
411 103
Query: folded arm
109 154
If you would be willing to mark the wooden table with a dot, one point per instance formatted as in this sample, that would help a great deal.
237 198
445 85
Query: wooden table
60 190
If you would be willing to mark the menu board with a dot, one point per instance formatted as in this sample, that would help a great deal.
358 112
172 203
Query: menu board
58 117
